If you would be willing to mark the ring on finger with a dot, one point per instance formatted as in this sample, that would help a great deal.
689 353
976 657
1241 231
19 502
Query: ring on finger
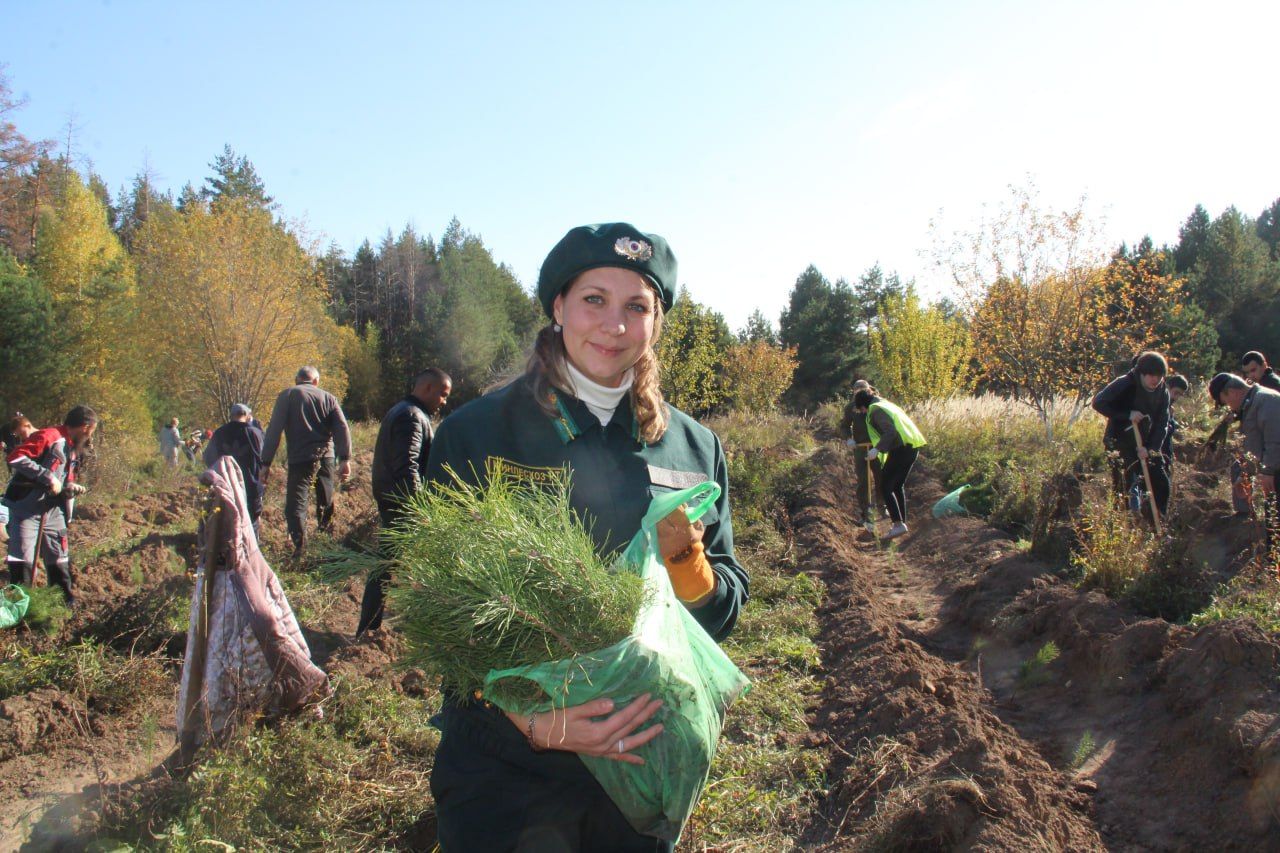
620 746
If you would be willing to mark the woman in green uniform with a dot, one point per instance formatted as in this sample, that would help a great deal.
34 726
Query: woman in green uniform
588 400
896 442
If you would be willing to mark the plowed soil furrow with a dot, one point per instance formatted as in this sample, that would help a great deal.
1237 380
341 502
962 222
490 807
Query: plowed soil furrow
923 762
1129 734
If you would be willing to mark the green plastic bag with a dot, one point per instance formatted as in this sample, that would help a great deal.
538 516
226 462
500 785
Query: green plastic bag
13 605
668 655
950 504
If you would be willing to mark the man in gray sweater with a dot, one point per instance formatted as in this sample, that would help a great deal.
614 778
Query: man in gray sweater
1259 411
312 422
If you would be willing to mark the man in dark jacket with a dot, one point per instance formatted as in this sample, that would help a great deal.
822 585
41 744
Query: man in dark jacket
1253 365
1138 400
399 466
41 499
241 438
1259 411
312 422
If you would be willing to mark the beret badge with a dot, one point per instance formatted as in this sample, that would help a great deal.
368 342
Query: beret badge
633 249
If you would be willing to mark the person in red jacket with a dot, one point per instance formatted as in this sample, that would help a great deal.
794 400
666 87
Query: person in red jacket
41 499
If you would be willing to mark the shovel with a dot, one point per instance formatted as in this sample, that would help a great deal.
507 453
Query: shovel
1146 475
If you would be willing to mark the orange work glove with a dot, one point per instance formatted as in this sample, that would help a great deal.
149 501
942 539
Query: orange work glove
692 577
680 544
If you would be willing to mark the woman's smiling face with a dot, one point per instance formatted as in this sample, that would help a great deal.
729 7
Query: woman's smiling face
607 317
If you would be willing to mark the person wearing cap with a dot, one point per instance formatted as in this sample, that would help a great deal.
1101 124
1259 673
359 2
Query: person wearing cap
589 401
1253 365
241 438
895 446
1259 411
853 426
41 499
311 421
399 467
1138 400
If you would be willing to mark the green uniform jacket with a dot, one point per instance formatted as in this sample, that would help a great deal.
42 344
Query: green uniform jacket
613 478
551 795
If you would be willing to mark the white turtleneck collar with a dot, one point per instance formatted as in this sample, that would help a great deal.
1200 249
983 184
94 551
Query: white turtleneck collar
600 399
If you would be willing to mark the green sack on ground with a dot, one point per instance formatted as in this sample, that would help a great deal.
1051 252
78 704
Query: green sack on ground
13 605
950 504
667 655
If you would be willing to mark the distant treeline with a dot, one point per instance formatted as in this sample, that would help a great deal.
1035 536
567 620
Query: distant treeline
149 305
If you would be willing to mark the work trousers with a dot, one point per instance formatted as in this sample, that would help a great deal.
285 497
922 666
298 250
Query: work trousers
304 477
51 549
893 481
1126 472
375 588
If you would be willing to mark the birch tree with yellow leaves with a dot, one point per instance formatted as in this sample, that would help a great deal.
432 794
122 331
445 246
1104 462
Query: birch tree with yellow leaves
232 307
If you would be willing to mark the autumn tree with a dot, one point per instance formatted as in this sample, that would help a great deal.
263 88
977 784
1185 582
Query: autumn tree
90 280
756 375
917 352
21 190
232 307
692 351
1049 318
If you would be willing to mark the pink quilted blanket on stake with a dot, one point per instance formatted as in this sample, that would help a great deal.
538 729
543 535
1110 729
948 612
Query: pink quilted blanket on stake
255 659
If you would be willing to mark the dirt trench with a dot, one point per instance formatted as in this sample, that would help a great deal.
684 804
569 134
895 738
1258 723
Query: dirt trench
954 727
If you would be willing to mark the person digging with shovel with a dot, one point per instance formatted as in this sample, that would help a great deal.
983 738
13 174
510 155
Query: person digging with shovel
896 443
1136 406
1259 410
853 427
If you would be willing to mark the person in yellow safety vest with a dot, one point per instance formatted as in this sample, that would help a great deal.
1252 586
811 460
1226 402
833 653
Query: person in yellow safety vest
896 443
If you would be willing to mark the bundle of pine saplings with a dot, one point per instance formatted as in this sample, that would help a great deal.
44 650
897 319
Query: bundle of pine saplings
499 576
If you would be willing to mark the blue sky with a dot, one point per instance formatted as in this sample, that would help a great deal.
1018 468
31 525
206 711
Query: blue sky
757 137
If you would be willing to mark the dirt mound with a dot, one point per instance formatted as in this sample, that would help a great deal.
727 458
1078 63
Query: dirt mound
42 718
922 763
1173 734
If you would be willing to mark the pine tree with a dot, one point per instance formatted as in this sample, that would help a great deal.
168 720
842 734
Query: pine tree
821 322
1268 228
235 178
1192 237
758 329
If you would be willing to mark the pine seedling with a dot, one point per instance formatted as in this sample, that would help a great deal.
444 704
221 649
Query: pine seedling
1034 669
499 576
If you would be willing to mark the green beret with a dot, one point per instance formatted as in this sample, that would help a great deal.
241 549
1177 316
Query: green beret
612 244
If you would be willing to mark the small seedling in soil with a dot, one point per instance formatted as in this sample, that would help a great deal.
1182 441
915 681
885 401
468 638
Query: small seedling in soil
1033 669
1084 749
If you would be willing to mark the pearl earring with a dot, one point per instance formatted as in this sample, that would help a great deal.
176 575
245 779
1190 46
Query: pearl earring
556 327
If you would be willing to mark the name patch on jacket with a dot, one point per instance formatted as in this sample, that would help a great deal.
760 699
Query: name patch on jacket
675 479
497 467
